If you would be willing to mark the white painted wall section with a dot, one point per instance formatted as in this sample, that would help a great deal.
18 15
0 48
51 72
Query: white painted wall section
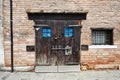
1 38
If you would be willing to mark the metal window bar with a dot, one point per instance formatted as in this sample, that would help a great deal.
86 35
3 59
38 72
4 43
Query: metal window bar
102 37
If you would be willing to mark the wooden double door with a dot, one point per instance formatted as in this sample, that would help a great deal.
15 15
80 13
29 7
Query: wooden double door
57 42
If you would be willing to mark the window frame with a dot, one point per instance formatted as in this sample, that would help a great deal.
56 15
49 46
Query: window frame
69 32
107 32
46 32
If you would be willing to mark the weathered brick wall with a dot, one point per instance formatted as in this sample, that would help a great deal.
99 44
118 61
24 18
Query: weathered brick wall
23 33
101 13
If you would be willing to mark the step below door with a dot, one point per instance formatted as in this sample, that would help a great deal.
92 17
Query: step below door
65 68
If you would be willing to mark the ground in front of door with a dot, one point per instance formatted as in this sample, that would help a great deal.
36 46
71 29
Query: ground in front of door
82 75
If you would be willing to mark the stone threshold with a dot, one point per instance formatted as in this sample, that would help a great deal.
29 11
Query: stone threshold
69 68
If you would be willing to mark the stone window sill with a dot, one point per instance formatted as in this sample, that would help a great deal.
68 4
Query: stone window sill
103 46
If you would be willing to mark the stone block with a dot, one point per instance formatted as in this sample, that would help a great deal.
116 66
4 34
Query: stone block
106 66
69 68
46 69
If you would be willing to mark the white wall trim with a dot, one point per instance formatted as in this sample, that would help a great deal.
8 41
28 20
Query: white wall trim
20 68
103 46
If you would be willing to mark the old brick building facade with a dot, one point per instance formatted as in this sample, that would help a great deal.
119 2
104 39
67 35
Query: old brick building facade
99 33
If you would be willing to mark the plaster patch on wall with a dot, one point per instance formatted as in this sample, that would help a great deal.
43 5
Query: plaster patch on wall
1 38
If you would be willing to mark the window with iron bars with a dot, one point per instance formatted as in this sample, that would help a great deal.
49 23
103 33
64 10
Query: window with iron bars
102 37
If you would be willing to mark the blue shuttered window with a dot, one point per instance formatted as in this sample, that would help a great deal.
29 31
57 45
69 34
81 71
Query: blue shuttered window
46 32
68 32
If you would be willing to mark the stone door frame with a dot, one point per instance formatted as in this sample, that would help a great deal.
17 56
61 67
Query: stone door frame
57 16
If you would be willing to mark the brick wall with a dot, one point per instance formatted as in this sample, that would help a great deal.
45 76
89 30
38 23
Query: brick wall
101 13
23 33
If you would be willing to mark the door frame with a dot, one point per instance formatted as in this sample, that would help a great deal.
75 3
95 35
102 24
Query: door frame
57 16
36 27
